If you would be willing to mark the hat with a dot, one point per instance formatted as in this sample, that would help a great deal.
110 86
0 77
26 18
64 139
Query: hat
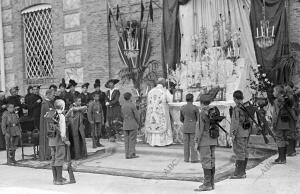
71 83
97 83
53 86
16 88
114 81
127 96
85 85
63 83
161 81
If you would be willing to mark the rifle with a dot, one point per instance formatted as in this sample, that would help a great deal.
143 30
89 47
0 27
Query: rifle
258 125
216 122
266 127
69 167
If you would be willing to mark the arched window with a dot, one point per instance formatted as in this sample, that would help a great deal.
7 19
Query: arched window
37 26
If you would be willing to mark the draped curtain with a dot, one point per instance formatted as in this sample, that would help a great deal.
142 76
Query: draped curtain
276 13
207 12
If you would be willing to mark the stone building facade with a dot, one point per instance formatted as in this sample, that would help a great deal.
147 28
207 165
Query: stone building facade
83 47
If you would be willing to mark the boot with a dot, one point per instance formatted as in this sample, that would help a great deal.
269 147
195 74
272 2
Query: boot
213 170
206 186
281 156
13 154
94 142
291 151
239 170
98 144
245 165
59 178
9 157
54 174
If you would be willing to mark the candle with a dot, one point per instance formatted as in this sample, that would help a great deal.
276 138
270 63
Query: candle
273 31
137 92
267 32
257 32
137 44
147 90
125 45
167 69
262 31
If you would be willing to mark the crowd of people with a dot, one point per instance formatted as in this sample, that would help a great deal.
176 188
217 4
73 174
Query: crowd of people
96 114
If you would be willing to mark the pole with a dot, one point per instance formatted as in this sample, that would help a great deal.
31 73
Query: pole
108 43
2 65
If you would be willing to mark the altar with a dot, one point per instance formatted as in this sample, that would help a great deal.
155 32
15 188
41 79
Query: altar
223 140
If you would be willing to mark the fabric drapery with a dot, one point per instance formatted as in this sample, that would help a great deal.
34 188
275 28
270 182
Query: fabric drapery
276 13
170 34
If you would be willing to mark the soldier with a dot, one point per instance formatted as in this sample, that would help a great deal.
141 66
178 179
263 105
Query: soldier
239 132
57 142
189 115
283 122
130 126
206 145
11 128
96 119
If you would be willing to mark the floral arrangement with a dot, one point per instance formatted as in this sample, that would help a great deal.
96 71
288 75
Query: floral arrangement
262 84
175 75
199 41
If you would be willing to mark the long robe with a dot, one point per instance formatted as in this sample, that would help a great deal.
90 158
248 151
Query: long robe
76 135
44 149
158 130
2 139
34 108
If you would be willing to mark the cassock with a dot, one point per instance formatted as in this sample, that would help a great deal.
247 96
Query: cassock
44 149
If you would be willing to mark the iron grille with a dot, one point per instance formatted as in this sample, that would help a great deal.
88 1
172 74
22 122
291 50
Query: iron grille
37 27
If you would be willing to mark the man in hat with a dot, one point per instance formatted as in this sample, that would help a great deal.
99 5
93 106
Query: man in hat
85 97
72 94
15 99
102 100
33 102
114 117
158 128
3 105
206 144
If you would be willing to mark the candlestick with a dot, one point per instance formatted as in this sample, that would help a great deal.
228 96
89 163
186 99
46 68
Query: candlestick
257 32
262 31
273 31
137 44
147 91
267 32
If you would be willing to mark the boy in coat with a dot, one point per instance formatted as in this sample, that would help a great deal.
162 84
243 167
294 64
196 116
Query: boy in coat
96 119
189 115
206 145
239 131
12 131
130 126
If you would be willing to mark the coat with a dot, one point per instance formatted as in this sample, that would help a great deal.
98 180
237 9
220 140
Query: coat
102 100
34 108
277 123
70 98
131 117
236 126
95 113
85 98
189 115
44 150
202 130
76 135
113 107
11 124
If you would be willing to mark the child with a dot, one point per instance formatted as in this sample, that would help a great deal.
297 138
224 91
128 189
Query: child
12 130
96 119
189 115
130 126
239 131
76 130
206 145
57 141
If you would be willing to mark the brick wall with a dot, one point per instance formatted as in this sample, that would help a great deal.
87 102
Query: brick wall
81 41
294 31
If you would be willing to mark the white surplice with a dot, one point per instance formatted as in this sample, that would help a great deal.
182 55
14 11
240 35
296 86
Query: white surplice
158 130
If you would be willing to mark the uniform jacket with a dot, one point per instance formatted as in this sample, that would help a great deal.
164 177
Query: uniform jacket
95 113
11 124
189 115
113 99
202 130
236 127
276 121
61 134
131 117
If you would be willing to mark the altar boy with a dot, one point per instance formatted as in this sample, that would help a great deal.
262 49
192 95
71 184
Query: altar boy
189 114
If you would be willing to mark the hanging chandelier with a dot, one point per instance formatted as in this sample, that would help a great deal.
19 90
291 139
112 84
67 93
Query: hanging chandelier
265 35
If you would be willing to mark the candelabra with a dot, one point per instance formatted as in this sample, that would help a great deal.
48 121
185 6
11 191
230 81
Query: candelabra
265 38
132 50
